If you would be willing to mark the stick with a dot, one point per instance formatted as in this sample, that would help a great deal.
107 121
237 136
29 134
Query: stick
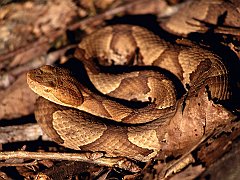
119 162
25 132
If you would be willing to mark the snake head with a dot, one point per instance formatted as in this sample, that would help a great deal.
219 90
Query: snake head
55 84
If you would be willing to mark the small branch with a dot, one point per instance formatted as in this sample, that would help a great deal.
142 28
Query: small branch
36 44
26 132
122 163
34 162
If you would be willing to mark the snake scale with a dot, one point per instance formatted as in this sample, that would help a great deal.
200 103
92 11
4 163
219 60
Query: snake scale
78 118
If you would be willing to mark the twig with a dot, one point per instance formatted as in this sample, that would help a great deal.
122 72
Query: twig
34 162
26 132
36 44
122 163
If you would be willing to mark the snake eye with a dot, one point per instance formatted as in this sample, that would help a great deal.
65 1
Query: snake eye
47 83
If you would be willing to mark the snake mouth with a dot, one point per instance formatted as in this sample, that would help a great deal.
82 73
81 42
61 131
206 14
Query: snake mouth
30 81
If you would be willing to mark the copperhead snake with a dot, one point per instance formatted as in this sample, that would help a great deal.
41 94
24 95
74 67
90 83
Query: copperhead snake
199 16
77 118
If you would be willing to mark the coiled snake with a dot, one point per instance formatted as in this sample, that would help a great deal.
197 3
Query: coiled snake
78 118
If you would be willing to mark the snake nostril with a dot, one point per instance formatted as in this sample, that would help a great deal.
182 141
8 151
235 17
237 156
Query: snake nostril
46 90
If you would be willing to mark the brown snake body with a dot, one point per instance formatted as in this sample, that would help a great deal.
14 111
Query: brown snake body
120 130
199 16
